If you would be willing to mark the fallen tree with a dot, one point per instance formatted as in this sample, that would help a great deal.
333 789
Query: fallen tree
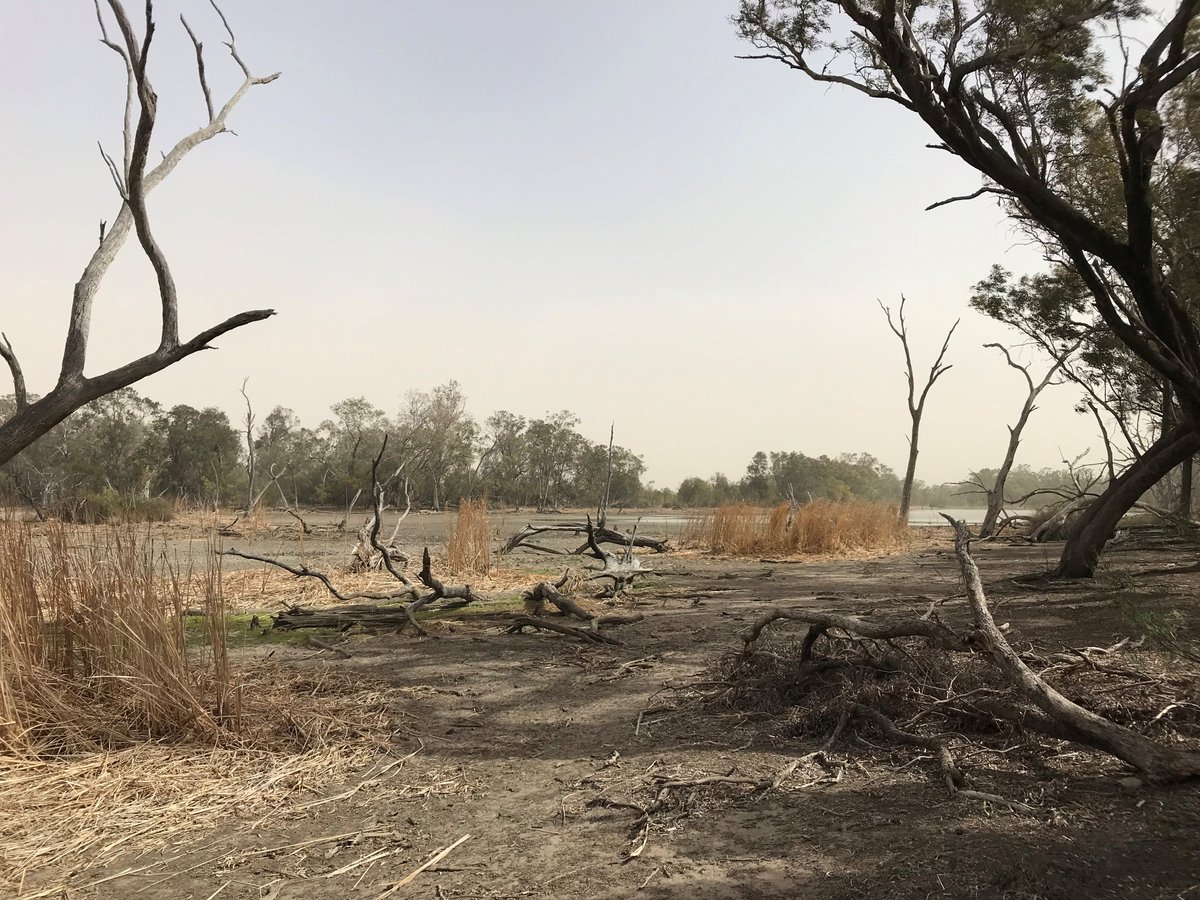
602 534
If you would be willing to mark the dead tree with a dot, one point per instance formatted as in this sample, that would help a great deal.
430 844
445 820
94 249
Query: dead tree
916 402
134 180
368 553
995 491
251 500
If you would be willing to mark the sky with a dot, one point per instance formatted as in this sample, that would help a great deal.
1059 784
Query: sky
590 206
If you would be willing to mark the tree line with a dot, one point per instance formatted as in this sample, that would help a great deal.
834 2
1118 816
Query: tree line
792 476
125 451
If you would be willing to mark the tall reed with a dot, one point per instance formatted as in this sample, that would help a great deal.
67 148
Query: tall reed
469 545
819 527
93 651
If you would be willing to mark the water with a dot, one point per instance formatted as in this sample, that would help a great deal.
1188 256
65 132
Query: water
923 518
918 518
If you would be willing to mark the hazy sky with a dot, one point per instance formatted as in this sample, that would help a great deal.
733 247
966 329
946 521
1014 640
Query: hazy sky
587 205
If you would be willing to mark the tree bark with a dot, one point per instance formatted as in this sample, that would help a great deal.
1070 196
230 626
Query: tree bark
910 473
1098 522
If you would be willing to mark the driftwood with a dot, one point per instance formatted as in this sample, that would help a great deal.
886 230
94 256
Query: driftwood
602 534
303 571
544 592
371 616
590 634
1156 761
587 635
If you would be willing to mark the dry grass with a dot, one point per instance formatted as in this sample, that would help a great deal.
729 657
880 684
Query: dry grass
93 653
305 736
116 737
469 544
820 527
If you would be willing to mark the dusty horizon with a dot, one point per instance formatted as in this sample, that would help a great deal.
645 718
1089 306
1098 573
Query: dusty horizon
630 223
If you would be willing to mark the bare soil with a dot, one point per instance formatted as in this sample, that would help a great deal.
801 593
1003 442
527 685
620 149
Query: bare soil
533 728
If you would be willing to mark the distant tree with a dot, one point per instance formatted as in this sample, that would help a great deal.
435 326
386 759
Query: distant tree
757 485
554 449
202 454
443 434
506 465
916 399
351 438
695 492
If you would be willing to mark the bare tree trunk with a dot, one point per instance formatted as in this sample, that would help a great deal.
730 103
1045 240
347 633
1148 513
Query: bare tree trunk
1185 488
1098 522
251 501
1158 762
916 405
910 471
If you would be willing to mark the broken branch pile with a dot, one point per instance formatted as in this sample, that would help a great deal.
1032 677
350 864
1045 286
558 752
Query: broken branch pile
921 682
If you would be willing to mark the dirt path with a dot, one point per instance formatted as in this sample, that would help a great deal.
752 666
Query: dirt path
528 730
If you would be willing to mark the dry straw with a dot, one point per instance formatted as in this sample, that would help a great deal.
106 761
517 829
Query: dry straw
93 653
118 735
469 545
820 527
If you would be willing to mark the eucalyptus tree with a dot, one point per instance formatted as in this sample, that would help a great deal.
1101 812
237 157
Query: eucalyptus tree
1072 127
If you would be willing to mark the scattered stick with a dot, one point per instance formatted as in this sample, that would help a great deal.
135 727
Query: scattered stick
437 858
321 645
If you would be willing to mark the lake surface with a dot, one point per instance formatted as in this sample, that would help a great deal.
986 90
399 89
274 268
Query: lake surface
925 517
918 518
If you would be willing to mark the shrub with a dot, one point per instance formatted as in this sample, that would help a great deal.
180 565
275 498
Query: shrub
109 507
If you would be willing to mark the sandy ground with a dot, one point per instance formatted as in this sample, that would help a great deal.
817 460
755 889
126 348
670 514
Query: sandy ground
528 731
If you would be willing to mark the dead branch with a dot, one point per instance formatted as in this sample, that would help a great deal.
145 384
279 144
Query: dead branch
587 635
321 645
544 592
134 182
303 571
880 629
1157 762
20 394
603 535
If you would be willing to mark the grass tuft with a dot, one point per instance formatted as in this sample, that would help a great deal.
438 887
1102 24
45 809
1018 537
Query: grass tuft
469 544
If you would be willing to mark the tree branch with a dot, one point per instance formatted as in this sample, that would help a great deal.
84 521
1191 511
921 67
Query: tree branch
20 395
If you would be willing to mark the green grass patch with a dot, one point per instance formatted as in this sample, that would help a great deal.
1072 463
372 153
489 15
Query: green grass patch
241 634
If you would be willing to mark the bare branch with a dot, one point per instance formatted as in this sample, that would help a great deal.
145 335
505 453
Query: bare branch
20 395
208 103
974 195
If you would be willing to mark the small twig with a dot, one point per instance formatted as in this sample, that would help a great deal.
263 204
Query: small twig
437 858
321 645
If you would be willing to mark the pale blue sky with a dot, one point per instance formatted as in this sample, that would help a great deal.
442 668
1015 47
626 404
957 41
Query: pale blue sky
545 201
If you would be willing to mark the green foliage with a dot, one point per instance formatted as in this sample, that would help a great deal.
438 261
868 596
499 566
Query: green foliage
126 458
